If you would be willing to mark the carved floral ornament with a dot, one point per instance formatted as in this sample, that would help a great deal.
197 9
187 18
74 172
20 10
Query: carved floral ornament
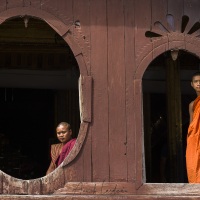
165 36
170 27
169 33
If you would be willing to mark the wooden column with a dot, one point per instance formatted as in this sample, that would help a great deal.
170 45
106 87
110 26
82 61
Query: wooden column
174 121
147 136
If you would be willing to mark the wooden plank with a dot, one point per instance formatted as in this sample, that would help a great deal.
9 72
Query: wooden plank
170 189
191 9
138 136
34 187
32 3
175 8
130 65
87 159
14 3
61 9
65 9
159 12
82 37
3 5
81 13
1 182
86 97
116 85
49 6
13 185
100 197
142 23
99 127
74 163
52 181
99 188
174 121
147 135
74 171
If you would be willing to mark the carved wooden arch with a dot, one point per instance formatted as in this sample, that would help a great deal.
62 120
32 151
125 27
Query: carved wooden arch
147 55
55 180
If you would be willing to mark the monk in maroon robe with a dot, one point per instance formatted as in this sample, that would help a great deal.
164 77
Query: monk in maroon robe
60 151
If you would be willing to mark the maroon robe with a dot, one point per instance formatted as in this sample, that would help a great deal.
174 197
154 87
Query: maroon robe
58 153
65 151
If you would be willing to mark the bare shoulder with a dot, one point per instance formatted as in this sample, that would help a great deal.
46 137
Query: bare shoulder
191 105
191 110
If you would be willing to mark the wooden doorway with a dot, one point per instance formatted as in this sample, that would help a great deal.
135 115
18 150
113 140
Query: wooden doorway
166 96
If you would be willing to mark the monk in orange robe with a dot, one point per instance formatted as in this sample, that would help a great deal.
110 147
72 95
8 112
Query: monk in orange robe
193 136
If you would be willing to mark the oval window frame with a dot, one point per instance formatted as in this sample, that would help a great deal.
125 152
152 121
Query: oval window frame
55 180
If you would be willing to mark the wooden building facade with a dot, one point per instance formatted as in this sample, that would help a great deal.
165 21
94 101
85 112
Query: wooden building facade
113 43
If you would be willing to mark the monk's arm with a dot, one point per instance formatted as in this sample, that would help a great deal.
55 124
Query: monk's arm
51 168
191 110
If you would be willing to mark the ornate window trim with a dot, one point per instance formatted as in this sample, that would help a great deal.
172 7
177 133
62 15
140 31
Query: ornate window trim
55 180
156 46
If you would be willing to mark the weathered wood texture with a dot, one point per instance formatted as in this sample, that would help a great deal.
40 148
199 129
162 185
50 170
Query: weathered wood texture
174 10
191 9
102 197
129 62
159 15
143 23
81 34
81 13
99 72
116 92
75 172
108 40
61 9
100 188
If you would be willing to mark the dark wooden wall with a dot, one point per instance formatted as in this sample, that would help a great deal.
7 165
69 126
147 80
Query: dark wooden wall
116 52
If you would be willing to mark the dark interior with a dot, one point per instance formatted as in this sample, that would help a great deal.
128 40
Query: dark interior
38 89
27 122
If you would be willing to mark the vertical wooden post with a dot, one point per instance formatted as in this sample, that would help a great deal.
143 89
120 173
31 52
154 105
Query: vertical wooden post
174 120
147 136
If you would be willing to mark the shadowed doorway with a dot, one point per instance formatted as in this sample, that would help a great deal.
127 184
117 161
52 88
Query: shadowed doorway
38 89
166 97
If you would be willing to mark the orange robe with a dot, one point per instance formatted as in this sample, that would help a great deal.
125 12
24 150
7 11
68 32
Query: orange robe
193 145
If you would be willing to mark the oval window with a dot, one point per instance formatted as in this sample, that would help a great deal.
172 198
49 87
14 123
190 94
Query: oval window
38 89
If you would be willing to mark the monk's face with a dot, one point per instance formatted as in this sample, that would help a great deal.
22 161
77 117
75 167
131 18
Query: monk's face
63 133
196 83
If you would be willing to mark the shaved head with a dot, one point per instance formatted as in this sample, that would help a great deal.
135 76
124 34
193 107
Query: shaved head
196 74
65 124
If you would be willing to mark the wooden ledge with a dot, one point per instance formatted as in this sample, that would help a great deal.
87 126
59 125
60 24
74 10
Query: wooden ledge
97 188
99 197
